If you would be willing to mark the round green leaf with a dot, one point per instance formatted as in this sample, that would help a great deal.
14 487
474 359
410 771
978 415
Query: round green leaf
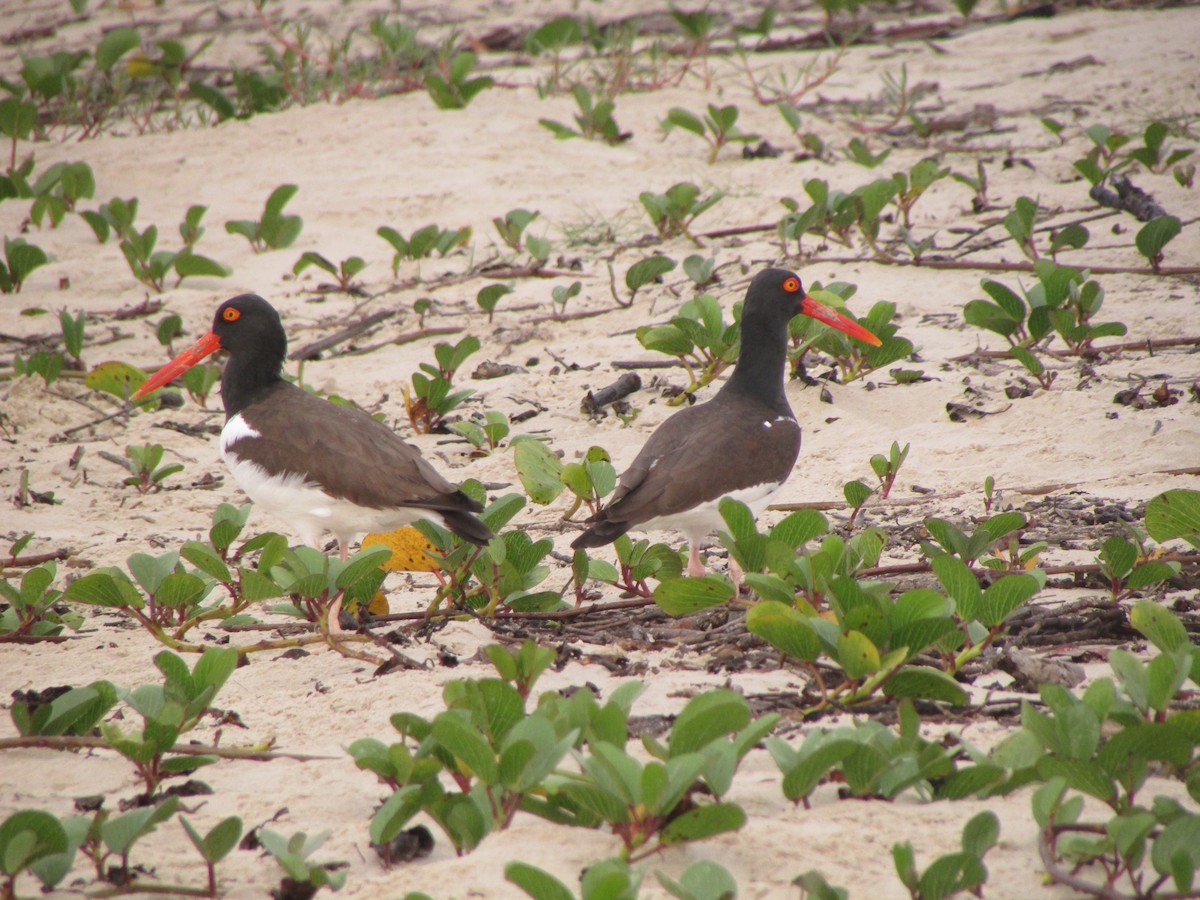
682 596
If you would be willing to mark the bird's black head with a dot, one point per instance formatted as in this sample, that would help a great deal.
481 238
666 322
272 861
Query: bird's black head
249 324
775 296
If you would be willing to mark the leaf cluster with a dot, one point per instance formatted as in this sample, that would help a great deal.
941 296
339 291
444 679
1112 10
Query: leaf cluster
853 358
423 242
544 476
452 86
502 759
504 573
672 213
698 337
33 607
274 230
717 126
21 258
594 120
146 473
432 397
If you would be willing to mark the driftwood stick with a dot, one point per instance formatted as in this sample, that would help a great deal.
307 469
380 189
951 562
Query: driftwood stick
1017 266
646 364
1149 345
87 742
1129 198
126 410
622 387
528 272
1035 490
34 559
407 338
311 351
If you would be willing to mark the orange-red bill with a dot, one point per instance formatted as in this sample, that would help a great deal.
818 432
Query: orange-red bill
835 319
206 346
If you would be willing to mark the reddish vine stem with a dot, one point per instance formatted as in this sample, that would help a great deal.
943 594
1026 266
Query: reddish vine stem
1149 345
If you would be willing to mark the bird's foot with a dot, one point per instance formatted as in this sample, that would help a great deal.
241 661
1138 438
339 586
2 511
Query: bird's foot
695 568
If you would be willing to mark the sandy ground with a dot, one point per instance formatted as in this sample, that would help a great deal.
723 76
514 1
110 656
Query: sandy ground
400 161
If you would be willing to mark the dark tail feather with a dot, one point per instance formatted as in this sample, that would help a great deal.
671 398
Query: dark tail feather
466 526
603 532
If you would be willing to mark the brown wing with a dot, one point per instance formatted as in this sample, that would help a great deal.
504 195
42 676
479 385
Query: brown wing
701 454
348 453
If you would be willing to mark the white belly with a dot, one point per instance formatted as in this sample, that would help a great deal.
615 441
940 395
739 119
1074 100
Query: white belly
302 505
701 521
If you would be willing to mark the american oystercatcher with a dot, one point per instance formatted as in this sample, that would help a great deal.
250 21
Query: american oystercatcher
741 444
313 464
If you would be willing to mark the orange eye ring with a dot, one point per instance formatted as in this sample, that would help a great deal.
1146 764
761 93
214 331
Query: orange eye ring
791 285
232 314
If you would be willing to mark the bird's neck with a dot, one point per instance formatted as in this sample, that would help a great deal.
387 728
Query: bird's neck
760 365
247 377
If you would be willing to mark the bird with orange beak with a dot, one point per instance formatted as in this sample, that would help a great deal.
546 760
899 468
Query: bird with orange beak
315 465
741 444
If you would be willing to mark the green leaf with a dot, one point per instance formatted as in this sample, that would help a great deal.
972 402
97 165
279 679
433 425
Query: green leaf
1155 235
1083 775
683 596
27 836
669 339
1176 851
960 583
1174 514
1167 673
703 822
1132 675
121 832
683 119
395 813
706 717
539 469
857 655
1004 597
800 527
188 264
647 270
489 296
462 740
784 628
1160 626
702 880
114 45
117 378
856 493
925 684
104 587
1151 573
537 883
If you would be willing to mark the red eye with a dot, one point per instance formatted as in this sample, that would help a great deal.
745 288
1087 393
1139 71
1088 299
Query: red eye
233 314
791 285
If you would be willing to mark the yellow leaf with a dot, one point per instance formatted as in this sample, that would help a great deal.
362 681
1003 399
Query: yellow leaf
139 66
378 605
408 548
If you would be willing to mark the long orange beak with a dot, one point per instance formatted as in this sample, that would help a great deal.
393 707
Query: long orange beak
206 346
835 319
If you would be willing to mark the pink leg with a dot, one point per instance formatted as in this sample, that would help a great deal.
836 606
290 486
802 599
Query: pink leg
333 614
735 573
695 567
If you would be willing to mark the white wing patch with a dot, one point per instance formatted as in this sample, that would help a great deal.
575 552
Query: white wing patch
236 429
